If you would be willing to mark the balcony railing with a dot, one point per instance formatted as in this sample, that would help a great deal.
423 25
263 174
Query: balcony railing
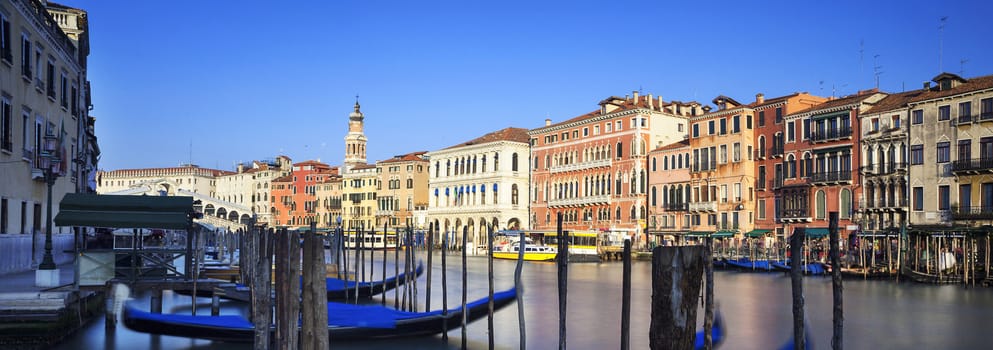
831 177
776 151
964 119
830 134
704 166
975 164
987 115
885 203
760 184
884 168
776 183
799 213
579 201
605 163
972 213
760 153
676 207
704 206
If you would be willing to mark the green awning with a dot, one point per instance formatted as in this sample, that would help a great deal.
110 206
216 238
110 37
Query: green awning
111 211
816 232
698 234
759 232
723 234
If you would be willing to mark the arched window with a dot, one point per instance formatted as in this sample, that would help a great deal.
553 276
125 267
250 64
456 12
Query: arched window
790 166
761 146
654 168
496 161
618 213
807 166
448 168
535 161
821 204
845 203
513 193
665 163
654 197
620 149
513 162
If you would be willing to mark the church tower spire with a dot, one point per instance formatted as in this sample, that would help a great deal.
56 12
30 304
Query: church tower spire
355 139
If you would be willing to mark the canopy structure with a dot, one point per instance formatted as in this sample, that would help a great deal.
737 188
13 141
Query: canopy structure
94 210
757 233
816 232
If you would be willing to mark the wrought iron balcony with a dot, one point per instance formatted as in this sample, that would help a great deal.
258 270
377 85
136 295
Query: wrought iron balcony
676 207
760 153
987 115
884 169
977 165
703 166
831 177
776 151
964 119
776 183
972 213
798 213
830 134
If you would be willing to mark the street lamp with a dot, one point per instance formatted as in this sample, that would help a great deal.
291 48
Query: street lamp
47 274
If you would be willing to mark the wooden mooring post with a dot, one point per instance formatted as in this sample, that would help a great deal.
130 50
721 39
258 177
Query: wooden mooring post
796 280
427 284
287 289
677 274
261 286
465 288
520 290
489 278
444 286
314 332
836 286
708 296
626 297
562 260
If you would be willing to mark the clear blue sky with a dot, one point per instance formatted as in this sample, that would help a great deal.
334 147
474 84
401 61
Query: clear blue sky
249 80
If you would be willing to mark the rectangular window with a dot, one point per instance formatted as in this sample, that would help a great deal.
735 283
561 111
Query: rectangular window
779 115
736 124
724 126
761 118
737 192
50 80
965 111
710 127
918 198
917 117
607 127
26 57
619 126
724 154
986 109
943 151
874 125
965 150
806 129
736 152
696 130
916 154
3 213
761 208
596 130
895 121
6 126
724 193
586 132
944 113
790 132
5 48
64 101
680 127
943 201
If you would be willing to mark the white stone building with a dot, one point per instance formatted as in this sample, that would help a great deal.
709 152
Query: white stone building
479 183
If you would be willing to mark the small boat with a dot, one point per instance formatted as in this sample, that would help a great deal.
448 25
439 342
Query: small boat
746 264
338 289
532 252
345 321
716 333
809 269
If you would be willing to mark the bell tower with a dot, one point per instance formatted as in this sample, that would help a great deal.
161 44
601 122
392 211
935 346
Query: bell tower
355 139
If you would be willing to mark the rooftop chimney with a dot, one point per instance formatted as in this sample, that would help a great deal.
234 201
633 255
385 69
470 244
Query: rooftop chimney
759 98
635 98
651 102
548 122
927 85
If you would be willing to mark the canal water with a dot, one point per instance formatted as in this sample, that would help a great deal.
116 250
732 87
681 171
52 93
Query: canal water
756 308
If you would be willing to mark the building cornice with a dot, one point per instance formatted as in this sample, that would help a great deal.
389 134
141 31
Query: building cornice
640 110
949 97
726 112
30 11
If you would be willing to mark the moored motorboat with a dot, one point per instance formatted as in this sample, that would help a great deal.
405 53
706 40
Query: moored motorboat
532 251
345 321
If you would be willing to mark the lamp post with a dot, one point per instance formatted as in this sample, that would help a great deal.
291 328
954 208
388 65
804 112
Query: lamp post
47 274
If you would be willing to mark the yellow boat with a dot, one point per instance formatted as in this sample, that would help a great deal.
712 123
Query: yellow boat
532 252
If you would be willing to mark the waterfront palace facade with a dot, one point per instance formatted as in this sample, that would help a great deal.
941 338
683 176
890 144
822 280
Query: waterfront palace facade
44 117
656 170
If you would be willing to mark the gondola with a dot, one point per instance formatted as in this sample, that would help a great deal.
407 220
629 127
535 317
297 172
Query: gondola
346 322
716 334
745 264
338 289
809 269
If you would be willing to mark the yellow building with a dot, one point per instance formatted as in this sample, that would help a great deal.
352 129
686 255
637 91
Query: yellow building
359 187
722 175
403 190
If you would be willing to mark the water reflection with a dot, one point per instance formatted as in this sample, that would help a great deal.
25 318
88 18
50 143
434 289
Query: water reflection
756 307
